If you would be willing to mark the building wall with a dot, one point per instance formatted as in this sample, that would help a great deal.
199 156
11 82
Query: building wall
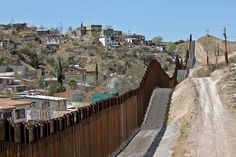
103 41
44 109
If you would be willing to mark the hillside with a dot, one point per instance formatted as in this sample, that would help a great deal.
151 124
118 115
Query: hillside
40 51
211 42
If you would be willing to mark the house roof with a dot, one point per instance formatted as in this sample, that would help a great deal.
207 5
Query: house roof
82 61
68 95
43 97
50 79
7 103
43 30
7 78
7 74
90 67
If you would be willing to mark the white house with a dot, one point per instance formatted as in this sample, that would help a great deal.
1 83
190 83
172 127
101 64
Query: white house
106 41
15 111
44 107
135 39
130 40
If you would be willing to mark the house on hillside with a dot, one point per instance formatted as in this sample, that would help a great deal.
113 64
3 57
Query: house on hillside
44 107
15 69
109 42
32 37
53 42
43 32
135 39
87 72
78 61
94 30
14 27
117 33
108 32
19 26
106 41
132 40
111 33
54 38
110 38
150 43
15 111
161 46
7 81
82 31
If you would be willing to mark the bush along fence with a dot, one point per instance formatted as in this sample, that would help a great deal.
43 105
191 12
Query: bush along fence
93 131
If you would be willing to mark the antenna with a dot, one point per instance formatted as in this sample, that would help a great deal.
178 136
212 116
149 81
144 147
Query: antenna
11 23
60 28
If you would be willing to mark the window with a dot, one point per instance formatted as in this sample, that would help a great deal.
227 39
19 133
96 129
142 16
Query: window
33 105
20 113
7 115
45 105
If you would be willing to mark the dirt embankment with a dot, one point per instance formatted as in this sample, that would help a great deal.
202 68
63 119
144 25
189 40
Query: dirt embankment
182 112
227 85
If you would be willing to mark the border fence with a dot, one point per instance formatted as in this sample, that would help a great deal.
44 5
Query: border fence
94 131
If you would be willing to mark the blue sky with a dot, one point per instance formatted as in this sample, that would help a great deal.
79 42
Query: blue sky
171 19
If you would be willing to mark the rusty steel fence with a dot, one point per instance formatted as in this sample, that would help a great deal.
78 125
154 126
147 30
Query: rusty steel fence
94 131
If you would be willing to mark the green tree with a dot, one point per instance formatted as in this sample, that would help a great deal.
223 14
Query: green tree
64 65
40 83
72 83
171 47
157 39
56 88
2 59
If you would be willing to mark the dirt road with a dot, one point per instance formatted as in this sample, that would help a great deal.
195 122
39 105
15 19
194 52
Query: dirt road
213 133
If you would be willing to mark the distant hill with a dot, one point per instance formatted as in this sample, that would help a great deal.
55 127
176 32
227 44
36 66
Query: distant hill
211 42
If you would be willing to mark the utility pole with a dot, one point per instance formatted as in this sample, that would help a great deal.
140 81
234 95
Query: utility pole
207 34
190 46
96 69
216 51
226 53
